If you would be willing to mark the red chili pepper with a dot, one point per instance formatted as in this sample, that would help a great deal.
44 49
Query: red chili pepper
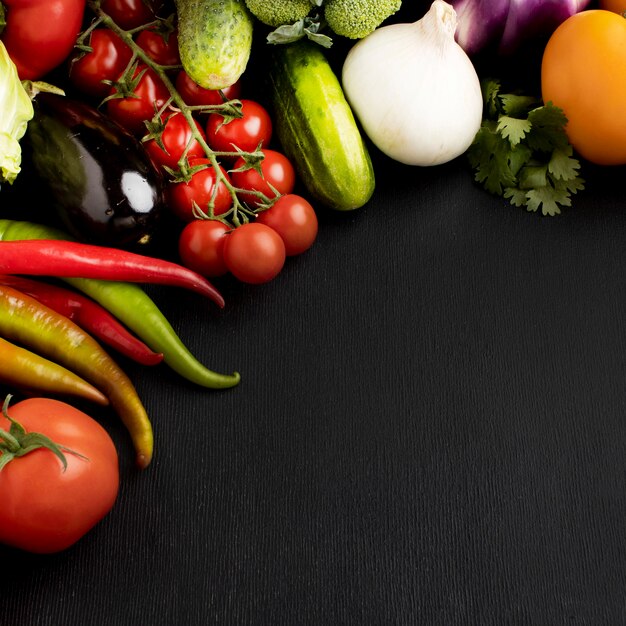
89 315
52 257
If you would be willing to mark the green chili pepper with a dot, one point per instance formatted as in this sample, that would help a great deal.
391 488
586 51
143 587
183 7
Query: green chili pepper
30 372
133 307
30 323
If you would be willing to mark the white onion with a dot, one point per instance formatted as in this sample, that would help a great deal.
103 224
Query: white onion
414 90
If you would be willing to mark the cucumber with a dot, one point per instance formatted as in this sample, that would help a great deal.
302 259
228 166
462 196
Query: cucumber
214 40
317 129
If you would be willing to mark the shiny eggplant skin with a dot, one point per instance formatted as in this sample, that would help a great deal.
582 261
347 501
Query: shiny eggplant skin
97 176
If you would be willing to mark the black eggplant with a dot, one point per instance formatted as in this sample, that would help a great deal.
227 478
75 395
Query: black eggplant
97 176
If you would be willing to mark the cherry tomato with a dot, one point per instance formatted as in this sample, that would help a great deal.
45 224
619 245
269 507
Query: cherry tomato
277 172
199 190
132 111
175 137
246 133
45 509
107 60
294 219
131 13
201 247
161 48
254 253
40 34
194 95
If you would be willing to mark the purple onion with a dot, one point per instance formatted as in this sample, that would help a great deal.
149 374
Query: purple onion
506 23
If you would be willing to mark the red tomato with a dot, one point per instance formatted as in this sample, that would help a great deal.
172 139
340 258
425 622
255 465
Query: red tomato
175 137
194 95
161 48
254 253
277 172
246 133
131 13
199 190
132 111
107 60
201 247
45 509
40 34
294 219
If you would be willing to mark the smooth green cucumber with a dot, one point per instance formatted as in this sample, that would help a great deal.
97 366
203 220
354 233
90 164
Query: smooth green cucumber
214 40
317 129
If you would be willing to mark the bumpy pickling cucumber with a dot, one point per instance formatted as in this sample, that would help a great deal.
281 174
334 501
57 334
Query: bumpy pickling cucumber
317 129
214 40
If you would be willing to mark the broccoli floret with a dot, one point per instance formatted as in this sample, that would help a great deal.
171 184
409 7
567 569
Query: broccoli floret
357 18
279 12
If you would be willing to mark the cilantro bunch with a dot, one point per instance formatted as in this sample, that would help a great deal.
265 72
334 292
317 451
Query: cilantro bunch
522 152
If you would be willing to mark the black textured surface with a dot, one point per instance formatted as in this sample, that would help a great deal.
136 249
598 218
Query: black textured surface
430 429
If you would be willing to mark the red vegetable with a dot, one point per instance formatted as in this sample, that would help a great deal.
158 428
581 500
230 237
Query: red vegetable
175 139
201 247
294 219
49 257
194 95
182 197
47 507
87 314
247 133
277 172
254 253
40 34
133 104
107 59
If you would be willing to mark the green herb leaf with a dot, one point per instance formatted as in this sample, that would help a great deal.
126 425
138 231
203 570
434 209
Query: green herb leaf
513 129
518 105
561 164
522 152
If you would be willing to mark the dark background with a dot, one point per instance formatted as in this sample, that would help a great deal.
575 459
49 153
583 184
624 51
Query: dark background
430 429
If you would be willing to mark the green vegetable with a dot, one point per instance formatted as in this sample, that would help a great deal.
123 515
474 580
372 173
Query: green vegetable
214 40
356 19
16 110
279 12
317 129
134 308
521 152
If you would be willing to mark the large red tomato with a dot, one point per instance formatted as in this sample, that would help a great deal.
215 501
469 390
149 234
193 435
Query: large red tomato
45 508
40 34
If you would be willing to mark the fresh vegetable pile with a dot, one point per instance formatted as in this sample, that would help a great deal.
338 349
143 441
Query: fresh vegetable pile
139 120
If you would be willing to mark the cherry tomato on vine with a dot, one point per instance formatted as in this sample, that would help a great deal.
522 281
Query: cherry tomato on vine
175 137
163 49
106 61
194 95
201 247
131 13
181 196
44 508
149 95
277 172
254 253
245 133
294 219
40 34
